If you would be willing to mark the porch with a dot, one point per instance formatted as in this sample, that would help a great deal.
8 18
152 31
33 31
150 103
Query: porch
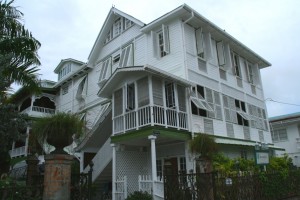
140 158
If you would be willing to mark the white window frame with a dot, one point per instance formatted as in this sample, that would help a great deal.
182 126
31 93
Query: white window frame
277 135
250 72
170 94
236 64
117 27
161 42
130 96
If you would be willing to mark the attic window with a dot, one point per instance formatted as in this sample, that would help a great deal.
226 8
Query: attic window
121 24
127 23
117 27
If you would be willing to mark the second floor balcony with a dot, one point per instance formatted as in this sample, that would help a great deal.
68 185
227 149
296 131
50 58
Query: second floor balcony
36 110
150 116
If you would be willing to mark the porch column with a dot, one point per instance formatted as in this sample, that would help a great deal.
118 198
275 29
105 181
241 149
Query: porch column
113 171
153 161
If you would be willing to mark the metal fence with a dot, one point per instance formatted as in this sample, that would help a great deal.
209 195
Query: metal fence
214 186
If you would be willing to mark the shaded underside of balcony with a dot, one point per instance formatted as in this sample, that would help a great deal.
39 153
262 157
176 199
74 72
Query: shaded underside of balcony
140 137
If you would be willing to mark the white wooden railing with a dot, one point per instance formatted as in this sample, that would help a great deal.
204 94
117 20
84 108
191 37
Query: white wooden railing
20 151
43 110
150 115
159 189
121 188
101 159
39 109
145 183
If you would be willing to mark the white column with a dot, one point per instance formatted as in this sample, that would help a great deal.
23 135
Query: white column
153 160
113 171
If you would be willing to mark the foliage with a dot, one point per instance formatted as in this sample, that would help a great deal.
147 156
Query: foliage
138 195
14 190
282 164
204 145
60 126
12 123
18 49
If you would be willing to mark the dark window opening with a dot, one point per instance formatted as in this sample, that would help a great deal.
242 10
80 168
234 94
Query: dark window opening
130 97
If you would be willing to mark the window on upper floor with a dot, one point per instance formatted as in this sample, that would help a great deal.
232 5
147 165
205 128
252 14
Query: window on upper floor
236 64
64 71
279 135
258 117
221 54
235 111
117 27
200 43
161 42
206 102
170 95
121 24
126 58
105 71
251 71
65 89
130 100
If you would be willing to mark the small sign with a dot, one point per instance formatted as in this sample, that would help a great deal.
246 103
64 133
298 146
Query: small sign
228 181
262 158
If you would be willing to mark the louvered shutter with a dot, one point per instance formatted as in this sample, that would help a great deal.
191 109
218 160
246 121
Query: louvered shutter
166 38
118 102
199 42
143 92
221 53
157 91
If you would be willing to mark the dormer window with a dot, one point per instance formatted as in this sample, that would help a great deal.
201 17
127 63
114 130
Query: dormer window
64 71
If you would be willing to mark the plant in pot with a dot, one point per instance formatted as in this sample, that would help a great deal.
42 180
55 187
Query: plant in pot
58 130
205 146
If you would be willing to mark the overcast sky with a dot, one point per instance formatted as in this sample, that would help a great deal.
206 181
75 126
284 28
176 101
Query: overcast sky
271 28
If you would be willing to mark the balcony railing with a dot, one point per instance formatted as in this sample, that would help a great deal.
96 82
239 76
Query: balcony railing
150 115
39 109
20 151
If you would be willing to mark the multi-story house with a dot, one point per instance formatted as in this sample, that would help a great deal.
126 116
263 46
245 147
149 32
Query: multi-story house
148 89
285 130
36 106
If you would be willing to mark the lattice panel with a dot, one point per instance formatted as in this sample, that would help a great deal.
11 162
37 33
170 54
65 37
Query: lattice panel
132 164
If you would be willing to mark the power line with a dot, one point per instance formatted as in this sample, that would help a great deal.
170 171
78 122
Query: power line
291 104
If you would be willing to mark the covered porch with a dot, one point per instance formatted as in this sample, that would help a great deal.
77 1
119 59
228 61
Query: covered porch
140 158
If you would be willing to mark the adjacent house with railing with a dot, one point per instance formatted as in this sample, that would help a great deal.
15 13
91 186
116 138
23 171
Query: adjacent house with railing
148 89
35 106
285 130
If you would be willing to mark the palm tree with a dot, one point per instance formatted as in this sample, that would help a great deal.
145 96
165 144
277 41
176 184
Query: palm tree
18 49
58 130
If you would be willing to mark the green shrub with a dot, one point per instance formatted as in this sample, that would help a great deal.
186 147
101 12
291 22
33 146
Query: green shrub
138 195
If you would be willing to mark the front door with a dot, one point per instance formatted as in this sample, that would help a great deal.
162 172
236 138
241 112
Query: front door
171 184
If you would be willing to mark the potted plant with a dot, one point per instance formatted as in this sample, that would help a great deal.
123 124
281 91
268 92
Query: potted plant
58 130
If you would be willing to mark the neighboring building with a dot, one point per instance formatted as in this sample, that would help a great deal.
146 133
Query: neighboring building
285 131
147 89
35 106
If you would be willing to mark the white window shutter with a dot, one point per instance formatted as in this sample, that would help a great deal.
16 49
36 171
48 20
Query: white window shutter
199 41
154 43
166 39
221 53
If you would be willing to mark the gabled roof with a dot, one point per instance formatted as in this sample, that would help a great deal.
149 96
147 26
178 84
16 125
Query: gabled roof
122 73
190 16
105 28
63 61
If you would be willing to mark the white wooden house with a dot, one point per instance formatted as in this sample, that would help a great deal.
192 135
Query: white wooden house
285 131
148 89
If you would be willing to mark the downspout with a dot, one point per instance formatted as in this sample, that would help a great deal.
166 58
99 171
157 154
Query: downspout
186 67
